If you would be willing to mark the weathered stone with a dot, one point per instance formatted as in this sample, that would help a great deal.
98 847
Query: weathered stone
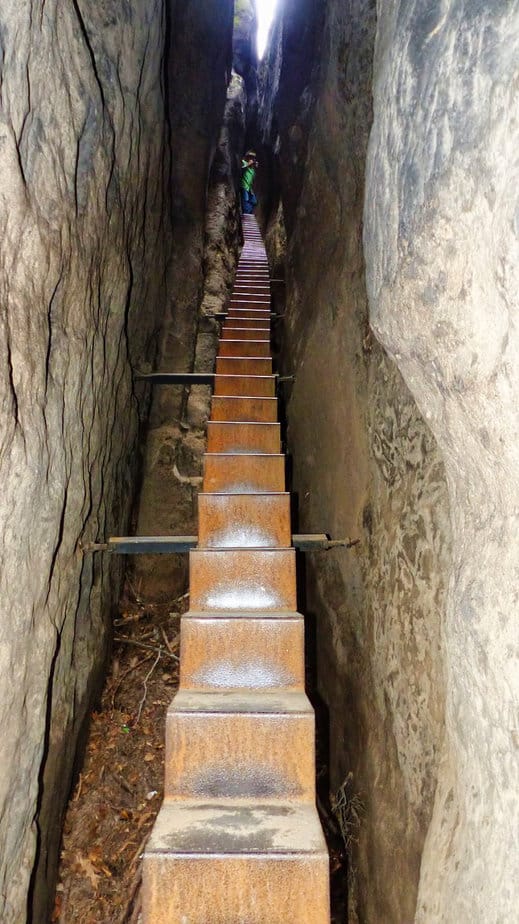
365 464
222 241
83 279
245 55
443 270
200 56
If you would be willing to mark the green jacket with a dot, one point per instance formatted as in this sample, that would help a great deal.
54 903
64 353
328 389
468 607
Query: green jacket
247 176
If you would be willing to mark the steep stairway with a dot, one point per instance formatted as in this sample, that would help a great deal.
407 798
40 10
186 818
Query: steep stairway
238 839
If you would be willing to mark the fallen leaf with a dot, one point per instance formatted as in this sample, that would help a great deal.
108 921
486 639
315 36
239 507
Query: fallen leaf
88 869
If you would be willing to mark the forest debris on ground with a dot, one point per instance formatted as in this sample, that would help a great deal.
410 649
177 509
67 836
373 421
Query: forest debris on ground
119 790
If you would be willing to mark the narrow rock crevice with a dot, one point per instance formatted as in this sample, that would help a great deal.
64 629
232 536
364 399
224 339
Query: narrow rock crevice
387 188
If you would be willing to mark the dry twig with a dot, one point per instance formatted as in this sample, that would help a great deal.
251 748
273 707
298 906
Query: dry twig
348 810
145 682
131 641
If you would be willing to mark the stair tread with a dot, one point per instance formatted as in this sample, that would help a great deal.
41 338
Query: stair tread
192 828
242 614
246 702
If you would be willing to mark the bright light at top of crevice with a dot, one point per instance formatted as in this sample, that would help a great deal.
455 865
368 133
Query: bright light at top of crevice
266 10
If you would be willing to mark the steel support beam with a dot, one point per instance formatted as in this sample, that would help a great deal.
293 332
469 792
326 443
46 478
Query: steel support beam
174 545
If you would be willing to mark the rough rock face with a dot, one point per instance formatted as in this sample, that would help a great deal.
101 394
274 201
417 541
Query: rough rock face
83 273
223 238
200 56
245 58
442 245
365 464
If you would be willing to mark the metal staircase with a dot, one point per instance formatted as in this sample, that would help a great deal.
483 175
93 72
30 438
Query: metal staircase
238 839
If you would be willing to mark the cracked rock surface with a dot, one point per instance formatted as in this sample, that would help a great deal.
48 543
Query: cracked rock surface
365 464
83 273
442 250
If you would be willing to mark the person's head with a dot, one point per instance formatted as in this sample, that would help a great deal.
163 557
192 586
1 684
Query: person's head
251 158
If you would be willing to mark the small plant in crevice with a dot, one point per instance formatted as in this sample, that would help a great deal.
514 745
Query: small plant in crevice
348 808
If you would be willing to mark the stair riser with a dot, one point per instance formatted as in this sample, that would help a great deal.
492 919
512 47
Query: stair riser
243 437
240 756
257 410
244 474
253 290
260 890
244 333
229 581
243 366
252 304
249 323
259 318
234 521
244 348
242 654
244 385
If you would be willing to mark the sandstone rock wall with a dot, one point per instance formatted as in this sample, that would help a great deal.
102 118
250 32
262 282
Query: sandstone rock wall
245 57
223 239
198 69
365 465
83 280
443 258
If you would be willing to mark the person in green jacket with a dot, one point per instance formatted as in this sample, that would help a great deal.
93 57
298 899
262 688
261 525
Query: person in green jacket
248 172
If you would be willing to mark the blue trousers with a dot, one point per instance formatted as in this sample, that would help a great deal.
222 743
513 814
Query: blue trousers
248 201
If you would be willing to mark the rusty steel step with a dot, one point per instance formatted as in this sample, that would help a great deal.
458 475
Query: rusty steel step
252 289
236 864
252 277
261 386
241 745
246 321
250 298
239 279
261 319
244 348
243 579
244 521
257 311
242 408
230 331
252 473
230 436
252 651
262 315
243 365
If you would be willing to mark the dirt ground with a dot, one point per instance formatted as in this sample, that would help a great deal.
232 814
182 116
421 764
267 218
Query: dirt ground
119 790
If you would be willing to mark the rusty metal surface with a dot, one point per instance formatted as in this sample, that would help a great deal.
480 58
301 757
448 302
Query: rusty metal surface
235 332
242 652
240 745
229 436
243 408
243 579
244 348
224 864
243 365
238 839
235 385
243 521
246 321
251 473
